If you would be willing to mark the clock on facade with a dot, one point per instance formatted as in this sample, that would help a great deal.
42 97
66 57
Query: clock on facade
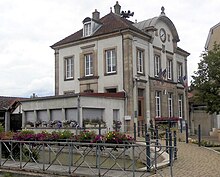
162 35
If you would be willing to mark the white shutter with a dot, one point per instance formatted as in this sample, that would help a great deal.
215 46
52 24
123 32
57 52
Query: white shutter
56 114
42 115
71 114
90 113
30 116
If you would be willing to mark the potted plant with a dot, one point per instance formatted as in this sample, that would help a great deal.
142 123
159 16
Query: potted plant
87 122
29 124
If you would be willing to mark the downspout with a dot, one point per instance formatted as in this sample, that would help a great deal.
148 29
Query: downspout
126 98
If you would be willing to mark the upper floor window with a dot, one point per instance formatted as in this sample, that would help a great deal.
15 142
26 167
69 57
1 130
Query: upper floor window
179 71
158 103
180 106
87 29
157 65
169 69
88 65
68 68
110 61
170 104
140 61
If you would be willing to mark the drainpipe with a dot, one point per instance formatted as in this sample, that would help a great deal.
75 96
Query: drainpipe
126 97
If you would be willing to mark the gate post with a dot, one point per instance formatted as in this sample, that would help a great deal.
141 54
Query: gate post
170 148
167 140
187 133
148 161
135 133
199 135
175 144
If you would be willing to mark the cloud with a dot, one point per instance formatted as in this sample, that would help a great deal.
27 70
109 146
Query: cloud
28 28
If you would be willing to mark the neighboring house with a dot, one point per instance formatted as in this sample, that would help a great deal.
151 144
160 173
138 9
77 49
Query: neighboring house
198 115
114 55
213 37
10 113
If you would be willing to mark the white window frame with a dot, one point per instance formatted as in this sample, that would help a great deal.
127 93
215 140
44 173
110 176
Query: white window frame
69 67
157 65
170 104
87 29
180 106
170 69
158 104
88 65
140 61
111 64
180 71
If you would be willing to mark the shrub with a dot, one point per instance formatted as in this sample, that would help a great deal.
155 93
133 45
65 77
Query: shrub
86 135
66 134
2 129
117 137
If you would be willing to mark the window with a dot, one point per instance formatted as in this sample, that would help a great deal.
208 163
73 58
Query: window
111 90
68 68
169 69
180 106
158 103
140 61
88 65
87 29
157 65
170 104
179 71
110 61
115 114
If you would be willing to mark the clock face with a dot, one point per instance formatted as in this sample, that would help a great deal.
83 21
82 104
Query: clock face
162 35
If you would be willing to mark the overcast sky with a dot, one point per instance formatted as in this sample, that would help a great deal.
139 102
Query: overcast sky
29 27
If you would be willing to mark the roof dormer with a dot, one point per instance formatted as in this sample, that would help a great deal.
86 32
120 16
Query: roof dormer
90 25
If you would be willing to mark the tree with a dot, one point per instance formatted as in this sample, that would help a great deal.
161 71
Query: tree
206 80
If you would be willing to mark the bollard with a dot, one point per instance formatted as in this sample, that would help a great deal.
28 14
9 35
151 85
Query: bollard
135 132
175 144
187 133
167 140
199 135
170 148
148 162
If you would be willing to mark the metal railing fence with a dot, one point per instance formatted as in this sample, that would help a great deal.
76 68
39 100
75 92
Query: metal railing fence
97 159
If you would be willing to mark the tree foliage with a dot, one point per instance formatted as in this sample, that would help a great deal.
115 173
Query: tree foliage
206 80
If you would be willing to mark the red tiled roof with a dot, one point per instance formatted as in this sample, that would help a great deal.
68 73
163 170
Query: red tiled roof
110 23
6 102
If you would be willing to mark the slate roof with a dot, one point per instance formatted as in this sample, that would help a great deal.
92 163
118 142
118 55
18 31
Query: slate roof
109 24
6 102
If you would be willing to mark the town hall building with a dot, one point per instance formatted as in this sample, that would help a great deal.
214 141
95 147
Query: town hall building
116 69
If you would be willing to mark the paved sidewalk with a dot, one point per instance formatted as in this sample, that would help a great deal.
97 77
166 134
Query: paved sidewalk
193 161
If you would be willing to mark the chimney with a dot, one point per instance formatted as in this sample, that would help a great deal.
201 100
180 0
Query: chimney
95 15
117 8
